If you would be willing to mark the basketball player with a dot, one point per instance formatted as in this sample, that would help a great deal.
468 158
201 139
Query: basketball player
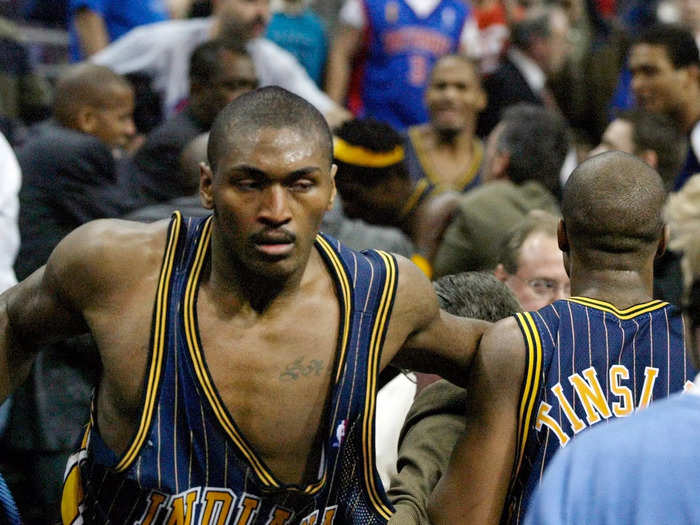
446 150
244 394
541 378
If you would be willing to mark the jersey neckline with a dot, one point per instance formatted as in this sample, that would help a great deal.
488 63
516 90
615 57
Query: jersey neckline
341 280
624 313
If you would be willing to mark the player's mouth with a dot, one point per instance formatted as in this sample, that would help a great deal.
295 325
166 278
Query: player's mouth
275 243
258 27
446 112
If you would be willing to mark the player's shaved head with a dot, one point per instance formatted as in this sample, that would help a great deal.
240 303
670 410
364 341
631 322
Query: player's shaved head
612 209
82 85
269 107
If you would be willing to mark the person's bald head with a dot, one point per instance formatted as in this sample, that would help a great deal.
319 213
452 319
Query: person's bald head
95 100
612 211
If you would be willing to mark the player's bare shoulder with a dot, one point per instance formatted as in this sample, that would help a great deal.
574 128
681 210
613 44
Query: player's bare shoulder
106 256
415 307
416 304
502 350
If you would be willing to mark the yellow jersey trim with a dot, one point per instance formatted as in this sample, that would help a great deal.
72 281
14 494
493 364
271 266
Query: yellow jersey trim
419 190
365 158
531 383
375 347
431 173
157 348
625 314
262 472
423 264
346 298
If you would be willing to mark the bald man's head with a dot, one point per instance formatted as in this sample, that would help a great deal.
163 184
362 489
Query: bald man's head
612 208
95 100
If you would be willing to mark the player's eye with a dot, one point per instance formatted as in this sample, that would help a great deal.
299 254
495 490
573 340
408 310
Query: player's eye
301 184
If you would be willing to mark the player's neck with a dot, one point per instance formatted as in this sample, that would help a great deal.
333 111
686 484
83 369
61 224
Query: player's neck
691 113
622 288
238 287
453 141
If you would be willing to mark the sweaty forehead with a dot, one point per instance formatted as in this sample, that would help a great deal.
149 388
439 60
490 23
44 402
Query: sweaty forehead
644 53
453 67
274 147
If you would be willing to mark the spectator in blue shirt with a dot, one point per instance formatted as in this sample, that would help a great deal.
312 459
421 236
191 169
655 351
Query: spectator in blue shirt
96 23
296 28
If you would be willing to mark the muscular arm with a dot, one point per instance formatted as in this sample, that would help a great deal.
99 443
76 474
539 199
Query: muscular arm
91 30
423 337
88 271
35 312
475 485
343 50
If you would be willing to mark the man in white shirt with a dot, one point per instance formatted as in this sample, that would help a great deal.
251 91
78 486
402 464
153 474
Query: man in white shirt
9 209
403 40
162 51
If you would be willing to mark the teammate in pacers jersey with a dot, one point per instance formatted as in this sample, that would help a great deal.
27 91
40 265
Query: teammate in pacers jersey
541 378
244 393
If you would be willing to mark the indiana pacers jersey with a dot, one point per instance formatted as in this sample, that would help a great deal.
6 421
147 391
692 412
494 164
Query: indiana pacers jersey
421 168
402 49
190 464
587 361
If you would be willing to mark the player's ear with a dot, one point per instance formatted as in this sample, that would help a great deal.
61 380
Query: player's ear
206 182
500 273
663 241
334 170
481 99
85 119
499 165
650 157
562 237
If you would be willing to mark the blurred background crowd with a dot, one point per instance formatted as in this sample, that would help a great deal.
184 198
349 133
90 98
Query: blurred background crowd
456 124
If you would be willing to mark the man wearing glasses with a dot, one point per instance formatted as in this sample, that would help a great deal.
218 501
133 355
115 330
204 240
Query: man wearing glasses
531 263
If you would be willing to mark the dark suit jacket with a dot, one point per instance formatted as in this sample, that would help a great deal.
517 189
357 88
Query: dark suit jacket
504 87
68 179
157 162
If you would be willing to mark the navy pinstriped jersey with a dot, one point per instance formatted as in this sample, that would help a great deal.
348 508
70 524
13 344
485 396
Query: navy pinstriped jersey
190 464
587 362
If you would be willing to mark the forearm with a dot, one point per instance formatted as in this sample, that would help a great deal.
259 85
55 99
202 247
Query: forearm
339 64
457 339
15 359
337 78
475 485
92 32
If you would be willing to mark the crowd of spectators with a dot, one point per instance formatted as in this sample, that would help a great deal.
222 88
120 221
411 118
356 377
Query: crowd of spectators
456 124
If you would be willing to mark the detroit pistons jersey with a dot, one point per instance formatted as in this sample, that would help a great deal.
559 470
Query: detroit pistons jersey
189 463
402 49
587 362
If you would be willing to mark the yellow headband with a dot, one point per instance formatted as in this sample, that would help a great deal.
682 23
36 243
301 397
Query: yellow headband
359 156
